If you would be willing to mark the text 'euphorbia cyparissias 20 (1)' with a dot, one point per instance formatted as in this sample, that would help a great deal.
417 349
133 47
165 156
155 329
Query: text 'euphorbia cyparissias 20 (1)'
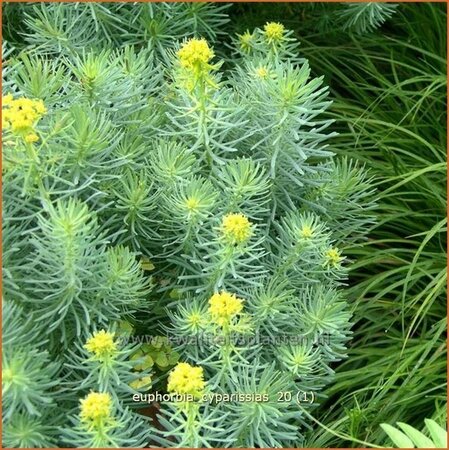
152 187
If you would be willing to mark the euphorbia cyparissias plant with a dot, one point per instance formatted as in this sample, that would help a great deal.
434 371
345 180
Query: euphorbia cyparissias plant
149 191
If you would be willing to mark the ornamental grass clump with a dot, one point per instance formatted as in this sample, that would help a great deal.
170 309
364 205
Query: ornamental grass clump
164 194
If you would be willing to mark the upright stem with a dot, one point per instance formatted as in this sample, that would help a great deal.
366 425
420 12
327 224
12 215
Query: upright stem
191 411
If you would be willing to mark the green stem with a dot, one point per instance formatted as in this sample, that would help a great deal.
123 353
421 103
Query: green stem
226 255
192 424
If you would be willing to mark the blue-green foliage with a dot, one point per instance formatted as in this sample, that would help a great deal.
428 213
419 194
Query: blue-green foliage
363 17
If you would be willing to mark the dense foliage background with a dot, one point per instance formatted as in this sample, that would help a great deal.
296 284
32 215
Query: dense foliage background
388 87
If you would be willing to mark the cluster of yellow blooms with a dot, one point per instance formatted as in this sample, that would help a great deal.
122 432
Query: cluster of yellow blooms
101 344
224 306
195 54
96 408
274 31
236 228
185 379
333 257
21 116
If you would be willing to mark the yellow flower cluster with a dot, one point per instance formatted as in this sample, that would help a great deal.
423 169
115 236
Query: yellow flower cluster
261 72
224 306
21 116
236 228
306 232
96 407
333 257
246 41
274 31
101 344
195 53
192 203
185 379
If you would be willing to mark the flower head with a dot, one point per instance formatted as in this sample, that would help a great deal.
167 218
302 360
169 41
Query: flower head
185 379
274 31
246 41
7 100
195 53
95 407
236 228
224 306
261 72
192 203
21 116
333 257
31 137
101 344
306 232
195 319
